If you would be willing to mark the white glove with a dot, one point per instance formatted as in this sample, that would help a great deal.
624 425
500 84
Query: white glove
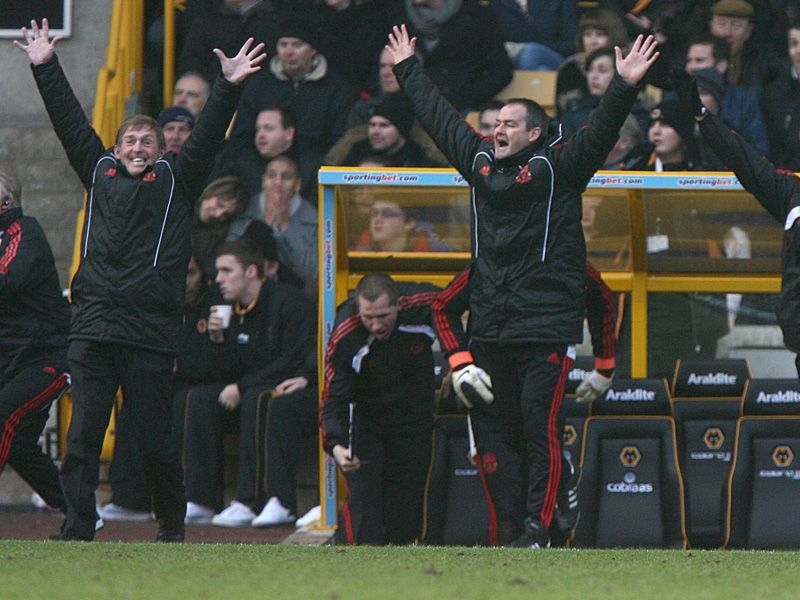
473 385
591 388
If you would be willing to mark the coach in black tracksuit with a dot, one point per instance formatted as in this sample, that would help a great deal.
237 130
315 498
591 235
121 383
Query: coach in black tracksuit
380 361
129 289
777 191
34 322
527 286
497 426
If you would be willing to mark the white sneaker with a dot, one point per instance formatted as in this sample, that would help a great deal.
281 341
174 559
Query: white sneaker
236 515
274 513
197 514
38 502
99 524
114 512
310 517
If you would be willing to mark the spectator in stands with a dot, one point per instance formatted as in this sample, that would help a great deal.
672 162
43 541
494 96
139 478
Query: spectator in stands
128 291
377 410
220 202
292 218
597 28
461 46
389 134
732 20
539 34
298 78
261 235
781 105
177 123
739 106
352 34
191 92
361 111
670 141
226 27
487 119
269 334
623 155
34 323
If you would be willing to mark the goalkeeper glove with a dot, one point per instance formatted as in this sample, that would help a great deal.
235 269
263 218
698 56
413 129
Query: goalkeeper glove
471 383
595 385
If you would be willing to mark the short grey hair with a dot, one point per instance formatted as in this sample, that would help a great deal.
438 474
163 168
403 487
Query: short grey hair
11 186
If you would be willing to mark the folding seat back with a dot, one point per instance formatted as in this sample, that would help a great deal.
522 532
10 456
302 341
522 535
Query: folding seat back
761 507
631 494
455 509
706 402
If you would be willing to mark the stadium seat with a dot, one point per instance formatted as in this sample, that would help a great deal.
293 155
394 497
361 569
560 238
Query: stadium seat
455 510
760 499
631 492
539 86
706 402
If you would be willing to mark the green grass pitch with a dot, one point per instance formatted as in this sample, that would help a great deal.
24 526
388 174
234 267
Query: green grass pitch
113 571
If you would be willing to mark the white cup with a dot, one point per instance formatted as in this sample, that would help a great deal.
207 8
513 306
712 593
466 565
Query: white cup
224 311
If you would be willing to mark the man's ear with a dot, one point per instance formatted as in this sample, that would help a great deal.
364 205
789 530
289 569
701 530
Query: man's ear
722 66
534 134
251 272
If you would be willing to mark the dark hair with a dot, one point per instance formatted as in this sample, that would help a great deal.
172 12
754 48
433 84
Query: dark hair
720 48
226 187
285 158
245 252
137 122
537 117
373 285
599 53
288 118
605 20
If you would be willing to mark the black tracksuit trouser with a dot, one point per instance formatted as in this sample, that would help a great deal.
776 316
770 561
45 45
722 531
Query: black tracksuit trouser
519 436
385 496
24 407
97 370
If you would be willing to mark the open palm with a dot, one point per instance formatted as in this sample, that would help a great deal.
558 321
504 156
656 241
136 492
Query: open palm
238 68
38 46
641 57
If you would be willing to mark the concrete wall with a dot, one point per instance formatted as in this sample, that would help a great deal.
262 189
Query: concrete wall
29 150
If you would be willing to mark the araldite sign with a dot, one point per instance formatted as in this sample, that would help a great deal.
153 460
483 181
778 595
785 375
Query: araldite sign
634 397
719 378
772 397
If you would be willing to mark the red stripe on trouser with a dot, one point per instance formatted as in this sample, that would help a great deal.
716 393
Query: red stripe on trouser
553 442
348 524
489 502
13 420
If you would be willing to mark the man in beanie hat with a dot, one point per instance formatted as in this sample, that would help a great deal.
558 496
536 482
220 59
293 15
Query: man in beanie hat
298 78
669 137
177 123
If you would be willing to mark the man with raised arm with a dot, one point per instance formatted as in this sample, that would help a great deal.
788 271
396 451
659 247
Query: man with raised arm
527 286
128 292
778 192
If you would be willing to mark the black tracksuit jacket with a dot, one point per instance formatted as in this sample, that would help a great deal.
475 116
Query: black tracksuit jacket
34 316
391 381
528 279
601 307
129 288
779 193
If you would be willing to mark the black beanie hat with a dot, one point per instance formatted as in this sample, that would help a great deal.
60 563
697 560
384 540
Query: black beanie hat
397 110
669 112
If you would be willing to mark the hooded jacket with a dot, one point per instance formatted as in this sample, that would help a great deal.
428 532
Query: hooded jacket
135 245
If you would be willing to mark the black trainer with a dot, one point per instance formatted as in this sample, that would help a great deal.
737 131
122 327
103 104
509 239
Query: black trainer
534 536
567 510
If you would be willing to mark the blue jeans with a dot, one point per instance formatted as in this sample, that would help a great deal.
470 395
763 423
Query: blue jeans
538 57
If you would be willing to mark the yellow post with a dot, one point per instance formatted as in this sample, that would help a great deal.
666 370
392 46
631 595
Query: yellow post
639 286
169 51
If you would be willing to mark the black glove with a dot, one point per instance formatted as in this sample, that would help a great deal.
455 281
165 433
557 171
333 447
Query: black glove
686 87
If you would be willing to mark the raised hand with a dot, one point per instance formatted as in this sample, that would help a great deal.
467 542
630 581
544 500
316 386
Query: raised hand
400 46
238 68
38 46
643 54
